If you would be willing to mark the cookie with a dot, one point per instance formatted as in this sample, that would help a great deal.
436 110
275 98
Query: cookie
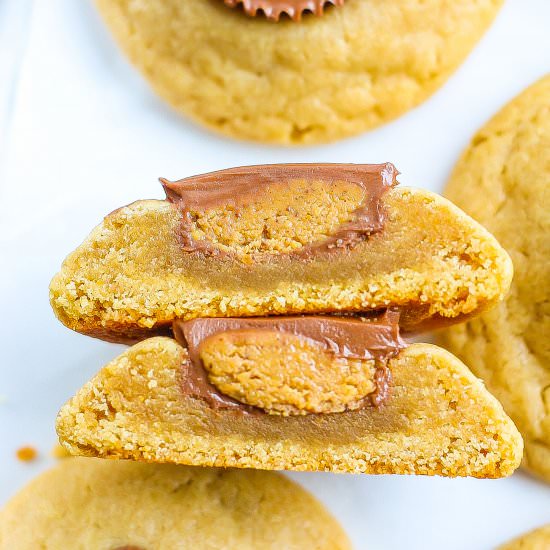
280 240
114 505
539 539
150 404
503 181
360 65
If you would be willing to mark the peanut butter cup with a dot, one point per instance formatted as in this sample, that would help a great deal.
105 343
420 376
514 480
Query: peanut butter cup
273 9
254 187
289 365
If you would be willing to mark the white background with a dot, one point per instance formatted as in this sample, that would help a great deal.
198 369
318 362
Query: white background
81 134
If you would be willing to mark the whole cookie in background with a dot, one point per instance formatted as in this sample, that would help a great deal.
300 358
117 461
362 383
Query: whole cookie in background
86 504
539 539
358 66
503 181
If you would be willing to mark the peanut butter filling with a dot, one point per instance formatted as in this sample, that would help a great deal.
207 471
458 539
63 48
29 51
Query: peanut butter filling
289 365
285 374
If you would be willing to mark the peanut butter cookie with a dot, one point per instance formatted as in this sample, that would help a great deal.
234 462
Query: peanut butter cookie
429 415
85 504
503 181
280 240
360 65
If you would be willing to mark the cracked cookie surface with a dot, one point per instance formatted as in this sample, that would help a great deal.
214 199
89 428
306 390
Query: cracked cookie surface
359 66
503 181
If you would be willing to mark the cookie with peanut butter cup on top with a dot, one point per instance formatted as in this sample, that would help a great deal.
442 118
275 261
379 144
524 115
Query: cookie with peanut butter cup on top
296 72
282 291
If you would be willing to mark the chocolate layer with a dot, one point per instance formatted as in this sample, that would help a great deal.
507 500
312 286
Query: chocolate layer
239 186
351 337
273 9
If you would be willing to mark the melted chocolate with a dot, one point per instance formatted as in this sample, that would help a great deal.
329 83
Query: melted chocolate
273 9
239 186
369 338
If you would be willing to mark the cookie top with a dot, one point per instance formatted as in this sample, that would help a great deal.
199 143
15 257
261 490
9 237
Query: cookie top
503 181
356 67
114 505
534 540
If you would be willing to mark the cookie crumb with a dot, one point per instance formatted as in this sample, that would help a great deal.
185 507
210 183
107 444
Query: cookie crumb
59 452
26 454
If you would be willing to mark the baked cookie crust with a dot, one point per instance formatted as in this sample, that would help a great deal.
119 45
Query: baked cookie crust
539 539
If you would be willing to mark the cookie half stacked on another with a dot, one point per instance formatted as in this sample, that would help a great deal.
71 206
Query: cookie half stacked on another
281 291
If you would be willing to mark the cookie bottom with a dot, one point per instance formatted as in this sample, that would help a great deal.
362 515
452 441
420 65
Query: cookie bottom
438 420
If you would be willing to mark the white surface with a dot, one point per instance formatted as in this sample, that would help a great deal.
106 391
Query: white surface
81 134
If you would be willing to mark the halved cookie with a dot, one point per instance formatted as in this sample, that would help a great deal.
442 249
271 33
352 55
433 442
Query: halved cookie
150 405
280 240
88 504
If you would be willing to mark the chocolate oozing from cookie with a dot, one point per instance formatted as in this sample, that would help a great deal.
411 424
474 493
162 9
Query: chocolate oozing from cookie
273 9
374 338
298 209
